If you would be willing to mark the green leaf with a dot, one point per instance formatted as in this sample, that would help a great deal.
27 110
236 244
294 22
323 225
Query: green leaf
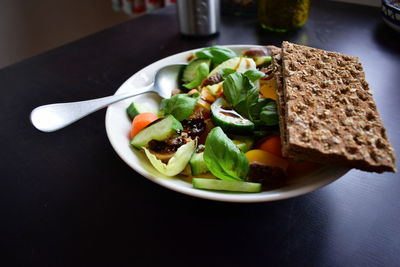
180 106
223 158
202 71
254 75
226 72
235 87
257 106
217 54
241 93
177 163
269 114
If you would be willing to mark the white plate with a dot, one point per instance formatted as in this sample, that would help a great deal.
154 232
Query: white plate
118 127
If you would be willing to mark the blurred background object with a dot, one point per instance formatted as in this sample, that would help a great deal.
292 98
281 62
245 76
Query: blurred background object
31 27
132 7
282 15
198 17
238 7
391 13
28 27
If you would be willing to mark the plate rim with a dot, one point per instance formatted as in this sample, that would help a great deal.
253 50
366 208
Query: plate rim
272 195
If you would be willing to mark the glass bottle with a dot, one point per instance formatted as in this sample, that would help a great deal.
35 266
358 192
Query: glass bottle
282 15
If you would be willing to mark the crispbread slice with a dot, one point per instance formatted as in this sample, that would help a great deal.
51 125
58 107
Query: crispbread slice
328 113
277 62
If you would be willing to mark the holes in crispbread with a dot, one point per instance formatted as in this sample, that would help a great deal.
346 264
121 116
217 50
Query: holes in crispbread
351 149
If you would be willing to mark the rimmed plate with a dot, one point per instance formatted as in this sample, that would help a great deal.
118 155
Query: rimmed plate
118 127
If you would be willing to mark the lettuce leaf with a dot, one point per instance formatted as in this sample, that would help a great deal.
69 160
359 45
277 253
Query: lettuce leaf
177 163
223 158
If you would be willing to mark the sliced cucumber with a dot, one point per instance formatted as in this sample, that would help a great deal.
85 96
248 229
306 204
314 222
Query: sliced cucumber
262 60
189 73
135 109
221 185
160 130
239 64
228 119
197 164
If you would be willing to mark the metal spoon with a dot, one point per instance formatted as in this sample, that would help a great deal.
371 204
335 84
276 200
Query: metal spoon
50 118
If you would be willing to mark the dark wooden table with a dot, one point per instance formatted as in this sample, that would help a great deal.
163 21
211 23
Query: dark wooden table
67 199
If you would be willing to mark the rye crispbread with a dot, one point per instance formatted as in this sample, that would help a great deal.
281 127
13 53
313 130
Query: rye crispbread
327 111
277 62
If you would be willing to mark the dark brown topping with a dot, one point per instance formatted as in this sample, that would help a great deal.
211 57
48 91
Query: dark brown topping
190 57
269 176
170 145
194 127
161 147
213 79
268 71
257 52
200 149
228 113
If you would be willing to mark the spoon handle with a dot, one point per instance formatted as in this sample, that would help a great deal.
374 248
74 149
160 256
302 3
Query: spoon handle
50 118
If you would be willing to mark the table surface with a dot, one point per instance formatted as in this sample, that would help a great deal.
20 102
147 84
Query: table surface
67 199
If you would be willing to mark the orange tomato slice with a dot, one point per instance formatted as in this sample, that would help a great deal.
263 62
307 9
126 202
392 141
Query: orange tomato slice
141 121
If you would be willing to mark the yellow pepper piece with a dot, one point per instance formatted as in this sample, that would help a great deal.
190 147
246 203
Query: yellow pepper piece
264 157
268 89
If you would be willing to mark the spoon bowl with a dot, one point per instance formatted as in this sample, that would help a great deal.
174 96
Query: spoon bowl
52 117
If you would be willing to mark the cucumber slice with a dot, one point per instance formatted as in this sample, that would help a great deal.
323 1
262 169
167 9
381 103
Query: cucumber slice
189 73
221 185
160 130
239 64
135 109
262 60
228 119
197 163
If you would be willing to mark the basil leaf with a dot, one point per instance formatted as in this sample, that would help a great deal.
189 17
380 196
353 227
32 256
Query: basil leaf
202 71
223 158
236 87
254 75
226 72
217 54
180 106
241 93
257 106
269 114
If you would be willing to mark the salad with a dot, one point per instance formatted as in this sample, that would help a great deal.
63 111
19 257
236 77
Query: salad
219 130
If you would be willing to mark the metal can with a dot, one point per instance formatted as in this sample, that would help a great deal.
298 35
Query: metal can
198 17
